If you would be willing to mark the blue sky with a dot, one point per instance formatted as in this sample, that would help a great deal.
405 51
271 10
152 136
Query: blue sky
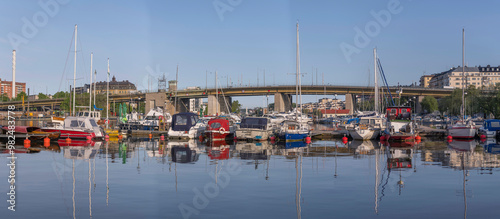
144 38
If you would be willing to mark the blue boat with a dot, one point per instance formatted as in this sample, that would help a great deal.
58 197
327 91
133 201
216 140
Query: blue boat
491 146
293 131
490 128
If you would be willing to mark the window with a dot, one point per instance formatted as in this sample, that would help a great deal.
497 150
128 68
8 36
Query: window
457 83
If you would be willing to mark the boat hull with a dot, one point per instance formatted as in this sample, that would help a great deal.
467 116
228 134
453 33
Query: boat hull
289 137
254 134
364 134
462 132
71 133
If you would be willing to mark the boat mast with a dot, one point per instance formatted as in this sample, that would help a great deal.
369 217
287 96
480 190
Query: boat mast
376 79
216 96
297 72
74 72
90 90
107 100
462 110
95 78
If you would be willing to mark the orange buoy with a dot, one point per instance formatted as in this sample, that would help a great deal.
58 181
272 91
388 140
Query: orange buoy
27 143
68 140
418 138
46 142
150 135
120 136
449 137
344 139
308 139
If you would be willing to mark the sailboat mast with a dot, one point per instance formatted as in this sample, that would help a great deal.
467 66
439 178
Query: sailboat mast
462 110
95 78
376 79
90 89
297 71
74 72
107 100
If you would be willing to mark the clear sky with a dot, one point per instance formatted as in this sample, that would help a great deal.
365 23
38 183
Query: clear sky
242 38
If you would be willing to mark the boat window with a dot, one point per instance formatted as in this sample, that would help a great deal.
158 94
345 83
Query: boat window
372 121
393 111
74 123
495 124
93 123
215 125
404 110
86 114
181 120
364 121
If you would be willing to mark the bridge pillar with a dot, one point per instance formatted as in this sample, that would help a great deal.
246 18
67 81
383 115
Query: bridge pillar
418 107
223 104
182 105
282 102
350 103
154 100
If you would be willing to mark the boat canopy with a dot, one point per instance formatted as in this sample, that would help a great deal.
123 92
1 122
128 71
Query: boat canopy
79 122
254 122
492 124
183 121
184 155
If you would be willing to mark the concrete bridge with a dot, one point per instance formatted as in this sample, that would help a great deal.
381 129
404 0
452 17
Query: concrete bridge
221 100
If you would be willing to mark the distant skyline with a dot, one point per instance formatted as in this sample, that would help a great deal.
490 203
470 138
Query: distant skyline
242 39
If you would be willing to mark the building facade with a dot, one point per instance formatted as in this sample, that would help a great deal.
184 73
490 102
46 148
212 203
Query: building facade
424 80
115 87
6 88
480 77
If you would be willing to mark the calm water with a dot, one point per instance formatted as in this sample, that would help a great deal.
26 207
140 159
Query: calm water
326 179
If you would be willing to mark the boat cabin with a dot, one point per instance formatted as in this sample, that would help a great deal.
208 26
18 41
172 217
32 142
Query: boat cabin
255 123
80 122
183 121
398 112
492 124
218 125
92 114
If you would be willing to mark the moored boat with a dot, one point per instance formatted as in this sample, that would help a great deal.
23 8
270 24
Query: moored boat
255 128
490 128
77 127
219 129
182 126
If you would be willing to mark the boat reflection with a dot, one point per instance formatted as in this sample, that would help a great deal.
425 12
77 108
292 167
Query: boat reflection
254 150
462 145
465 153
217 150
184 151
491 146
363 147
82 152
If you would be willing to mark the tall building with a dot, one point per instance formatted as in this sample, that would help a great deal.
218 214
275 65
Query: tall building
195 104
6 88
481 77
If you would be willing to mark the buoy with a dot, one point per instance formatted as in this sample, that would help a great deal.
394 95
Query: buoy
449 137
482 136
68 140
162 138
382 138
273 138
150 136
120 136
46 142
89 137
344 139
418 138
27 143
308 139
449 140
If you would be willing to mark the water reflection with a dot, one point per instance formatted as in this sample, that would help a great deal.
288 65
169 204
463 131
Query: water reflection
392 165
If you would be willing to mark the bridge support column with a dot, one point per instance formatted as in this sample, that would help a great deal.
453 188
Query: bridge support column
350 103
226 104
182 105
154 100
213 105
282 102
418 107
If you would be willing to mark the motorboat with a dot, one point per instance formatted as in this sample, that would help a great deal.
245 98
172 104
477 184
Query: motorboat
31 132
77 127
219 129
255 128
182 126
490 128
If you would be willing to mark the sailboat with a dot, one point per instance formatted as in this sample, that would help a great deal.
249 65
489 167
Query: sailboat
295 130
369 127
463 129
74 126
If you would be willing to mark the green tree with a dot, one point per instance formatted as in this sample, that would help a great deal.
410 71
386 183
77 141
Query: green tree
270 107
42 96
20 96
235 106
4 97
60 94
429 104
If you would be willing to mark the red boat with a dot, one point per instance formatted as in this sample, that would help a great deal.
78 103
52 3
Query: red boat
219 129
77 127
75 143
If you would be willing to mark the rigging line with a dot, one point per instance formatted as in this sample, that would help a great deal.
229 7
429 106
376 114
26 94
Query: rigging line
225 100
65 64
83 59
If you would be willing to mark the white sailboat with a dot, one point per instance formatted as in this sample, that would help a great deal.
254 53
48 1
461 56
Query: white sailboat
463 129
